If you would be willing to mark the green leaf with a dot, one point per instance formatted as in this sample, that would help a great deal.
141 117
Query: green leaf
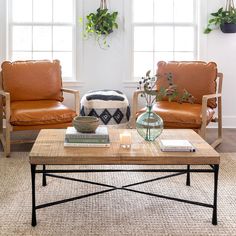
207 31
148 73
212 20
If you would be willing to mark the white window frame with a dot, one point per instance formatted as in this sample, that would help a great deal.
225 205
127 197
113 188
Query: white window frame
200 40
76 38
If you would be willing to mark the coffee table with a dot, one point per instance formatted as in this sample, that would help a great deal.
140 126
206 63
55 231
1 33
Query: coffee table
48 149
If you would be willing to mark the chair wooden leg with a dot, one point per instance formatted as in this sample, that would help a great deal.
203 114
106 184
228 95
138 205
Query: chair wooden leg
1 123
219 137
7 148
202 131
6 143
8 127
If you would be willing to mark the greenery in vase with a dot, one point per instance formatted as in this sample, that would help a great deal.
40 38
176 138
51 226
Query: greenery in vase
101 24
147 85
221 17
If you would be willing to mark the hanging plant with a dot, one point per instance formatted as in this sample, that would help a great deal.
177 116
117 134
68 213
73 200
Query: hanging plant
101 24
223 18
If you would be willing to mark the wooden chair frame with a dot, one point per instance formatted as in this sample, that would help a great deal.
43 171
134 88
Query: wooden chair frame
5 113
202 130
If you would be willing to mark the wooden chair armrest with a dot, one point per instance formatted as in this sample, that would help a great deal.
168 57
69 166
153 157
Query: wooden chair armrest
77 98
204 104
206 97
5 107
4 94
66 90
135 106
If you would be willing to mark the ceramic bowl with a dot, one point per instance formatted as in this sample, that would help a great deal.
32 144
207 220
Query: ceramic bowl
85 124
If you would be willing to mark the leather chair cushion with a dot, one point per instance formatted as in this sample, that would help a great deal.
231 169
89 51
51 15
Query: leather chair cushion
39 127
44 112
197 77
185 115
32 80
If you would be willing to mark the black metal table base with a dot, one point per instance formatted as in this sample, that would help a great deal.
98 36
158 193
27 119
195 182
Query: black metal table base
176 172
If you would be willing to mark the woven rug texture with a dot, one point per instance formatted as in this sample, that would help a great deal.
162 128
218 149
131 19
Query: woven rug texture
118 212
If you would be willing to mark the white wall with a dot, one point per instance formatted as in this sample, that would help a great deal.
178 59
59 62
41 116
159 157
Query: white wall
221 48
101 69
107 69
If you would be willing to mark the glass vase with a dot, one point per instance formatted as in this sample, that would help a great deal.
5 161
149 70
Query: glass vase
149 125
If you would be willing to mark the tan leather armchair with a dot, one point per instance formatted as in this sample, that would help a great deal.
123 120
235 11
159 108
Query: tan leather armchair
31 96
203 81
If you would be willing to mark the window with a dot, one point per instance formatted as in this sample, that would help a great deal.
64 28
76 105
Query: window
163 30
43 29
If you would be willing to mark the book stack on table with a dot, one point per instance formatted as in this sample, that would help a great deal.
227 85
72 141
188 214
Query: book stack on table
176 146
100 138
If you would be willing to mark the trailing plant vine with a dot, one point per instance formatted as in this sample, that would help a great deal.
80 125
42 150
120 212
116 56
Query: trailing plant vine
222 16
101 24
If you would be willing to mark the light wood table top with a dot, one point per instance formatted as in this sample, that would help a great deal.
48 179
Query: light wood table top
49 149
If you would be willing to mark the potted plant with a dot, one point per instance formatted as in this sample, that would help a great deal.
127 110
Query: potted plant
224 18
101 24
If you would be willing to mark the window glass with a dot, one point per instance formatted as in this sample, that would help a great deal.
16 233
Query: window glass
42 38
21 10
63 11
22 38
184 11
143 38
62 38
143 10
163 30
143 61
184 39
43 29
163 11
42 10
164 40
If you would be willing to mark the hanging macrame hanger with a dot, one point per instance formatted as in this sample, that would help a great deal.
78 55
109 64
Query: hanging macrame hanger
229 5
103 4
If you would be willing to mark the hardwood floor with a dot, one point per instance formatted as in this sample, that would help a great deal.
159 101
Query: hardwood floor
228 144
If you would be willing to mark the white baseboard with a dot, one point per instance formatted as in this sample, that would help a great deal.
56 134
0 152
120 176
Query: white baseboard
228 122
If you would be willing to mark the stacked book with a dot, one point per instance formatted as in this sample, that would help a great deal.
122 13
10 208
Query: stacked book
100 138
174 145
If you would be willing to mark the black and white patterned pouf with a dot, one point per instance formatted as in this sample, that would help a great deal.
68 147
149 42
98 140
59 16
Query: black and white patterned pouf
111 106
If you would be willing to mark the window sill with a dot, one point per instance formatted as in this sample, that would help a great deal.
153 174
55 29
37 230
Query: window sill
73 83
130 84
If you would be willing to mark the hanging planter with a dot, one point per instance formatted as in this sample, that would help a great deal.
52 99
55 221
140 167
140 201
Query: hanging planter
101 24
223 18
228 28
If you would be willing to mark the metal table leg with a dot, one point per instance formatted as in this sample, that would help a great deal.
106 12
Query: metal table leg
188 176
214 215
33 169
44 182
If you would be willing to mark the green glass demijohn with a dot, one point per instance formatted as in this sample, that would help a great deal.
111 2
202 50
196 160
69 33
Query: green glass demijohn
149 125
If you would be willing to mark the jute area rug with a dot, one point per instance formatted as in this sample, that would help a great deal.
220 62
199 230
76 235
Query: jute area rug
118 212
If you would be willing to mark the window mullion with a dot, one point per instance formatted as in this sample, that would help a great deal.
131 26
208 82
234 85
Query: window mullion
52 27
32 29
153 36
173 27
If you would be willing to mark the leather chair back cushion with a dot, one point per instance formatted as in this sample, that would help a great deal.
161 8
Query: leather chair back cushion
32 80
197 77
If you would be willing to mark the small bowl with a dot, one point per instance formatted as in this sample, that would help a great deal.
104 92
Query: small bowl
85 124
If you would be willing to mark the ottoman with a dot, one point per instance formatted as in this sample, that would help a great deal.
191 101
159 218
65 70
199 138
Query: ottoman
111 106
